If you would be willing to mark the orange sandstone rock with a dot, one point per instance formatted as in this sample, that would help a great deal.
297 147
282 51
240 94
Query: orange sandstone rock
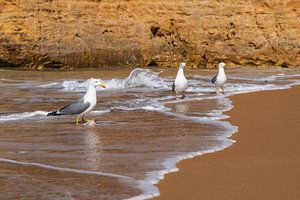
39 34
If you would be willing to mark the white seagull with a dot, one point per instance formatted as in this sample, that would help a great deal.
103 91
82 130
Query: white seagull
220 79
83 105
180 84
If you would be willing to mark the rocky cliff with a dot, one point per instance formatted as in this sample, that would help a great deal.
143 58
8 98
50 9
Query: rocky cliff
39 34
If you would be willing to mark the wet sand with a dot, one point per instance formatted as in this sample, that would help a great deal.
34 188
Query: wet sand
264 162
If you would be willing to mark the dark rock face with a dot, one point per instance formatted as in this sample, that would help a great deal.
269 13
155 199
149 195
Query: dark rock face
39 34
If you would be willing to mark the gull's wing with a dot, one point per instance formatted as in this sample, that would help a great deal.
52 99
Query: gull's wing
213 80
74 108
77 107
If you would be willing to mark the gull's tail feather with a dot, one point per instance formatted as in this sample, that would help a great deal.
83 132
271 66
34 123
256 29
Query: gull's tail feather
213 80
54 113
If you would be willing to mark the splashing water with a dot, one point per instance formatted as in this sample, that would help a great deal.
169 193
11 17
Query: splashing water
144 78
138 78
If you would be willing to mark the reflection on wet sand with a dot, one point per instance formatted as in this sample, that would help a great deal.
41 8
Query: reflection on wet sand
92 148
181 108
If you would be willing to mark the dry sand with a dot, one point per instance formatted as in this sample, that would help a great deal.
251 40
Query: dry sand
264 163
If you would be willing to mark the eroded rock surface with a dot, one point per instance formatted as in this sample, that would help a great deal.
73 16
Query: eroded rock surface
39 34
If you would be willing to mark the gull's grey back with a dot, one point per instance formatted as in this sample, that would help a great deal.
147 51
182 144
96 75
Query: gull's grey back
74 108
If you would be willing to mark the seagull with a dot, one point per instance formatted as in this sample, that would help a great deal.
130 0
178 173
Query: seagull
83 105
220 79
180 83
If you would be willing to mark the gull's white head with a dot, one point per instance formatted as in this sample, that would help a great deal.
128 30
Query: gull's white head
182 65
95 83
221 65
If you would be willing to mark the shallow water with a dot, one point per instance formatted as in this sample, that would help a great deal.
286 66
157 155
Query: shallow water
141 131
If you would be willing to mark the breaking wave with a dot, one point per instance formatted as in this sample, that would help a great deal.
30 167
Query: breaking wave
138 78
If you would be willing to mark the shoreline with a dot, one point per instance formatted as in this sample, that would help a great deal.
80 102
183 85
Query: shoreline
262 164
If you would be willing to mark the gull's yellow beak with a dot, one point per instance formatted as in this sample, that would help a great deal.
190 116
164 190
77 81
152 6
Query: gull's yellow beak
102 85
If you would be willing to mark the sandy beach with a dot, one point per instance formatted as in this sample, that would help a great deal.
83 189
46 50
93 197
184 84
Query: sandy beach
141 131
264 162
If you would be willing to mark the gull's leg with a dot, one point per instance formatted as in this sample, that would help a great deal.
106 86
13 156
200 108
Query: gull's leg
217 89
223 89
176 95
183 95
86 120
77 118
